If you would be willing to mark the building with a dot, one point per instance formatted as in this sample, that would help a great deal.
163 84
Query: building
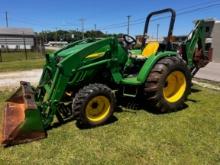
212 34
216 42
16 38
139 39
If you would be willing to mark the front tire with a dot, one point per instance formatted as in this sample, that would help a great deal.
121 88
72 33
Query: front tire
168 84
93 105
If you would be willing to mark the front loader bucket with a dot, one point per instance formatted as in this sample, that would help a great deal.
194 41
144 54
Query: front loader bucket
22 120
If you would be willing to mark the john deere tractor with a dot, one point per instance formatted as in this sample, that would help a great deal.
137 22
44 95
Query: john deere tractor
83 80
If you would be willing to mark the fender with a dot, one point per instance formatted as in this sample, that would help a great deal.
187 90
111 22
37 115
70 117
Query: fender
149 64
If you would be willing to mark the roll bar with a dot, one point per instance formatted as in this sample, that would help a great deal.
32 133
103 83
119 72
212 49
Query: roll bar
170 32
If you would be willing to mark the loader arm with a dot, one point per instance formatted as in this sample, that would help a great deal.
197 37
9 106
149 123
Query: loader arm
194 48
67 70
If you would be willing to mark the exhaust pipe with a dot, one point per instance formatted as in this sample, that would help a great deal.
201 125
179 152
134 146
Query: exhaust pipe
22 121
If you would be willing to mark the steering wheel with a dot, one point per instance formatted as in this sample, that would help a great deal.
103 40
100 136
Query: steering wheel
129 39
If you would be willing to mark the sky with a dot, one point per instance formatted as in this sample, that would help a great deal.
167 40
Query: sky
110 16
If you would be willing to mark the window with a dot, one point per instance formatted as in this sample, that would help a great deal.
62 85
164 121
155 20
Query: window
208 46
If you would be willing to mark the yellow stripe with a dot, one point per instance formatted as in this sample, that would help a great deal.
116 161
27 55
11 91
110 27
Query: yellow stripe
96 55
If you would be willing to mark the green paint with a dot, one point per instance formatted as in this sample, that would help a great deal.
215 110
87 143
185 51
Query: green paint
197 37
70 67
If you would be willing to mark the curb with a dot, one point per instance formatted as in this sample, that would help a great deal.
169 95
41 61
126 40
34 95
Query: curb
207 84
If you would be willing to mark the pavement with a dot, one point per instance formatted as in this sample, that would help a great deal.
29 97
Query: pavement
52 48
210 72
12 79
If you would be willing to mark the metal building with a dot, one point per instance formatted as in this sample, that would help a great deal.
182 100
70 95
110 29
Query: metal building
16 38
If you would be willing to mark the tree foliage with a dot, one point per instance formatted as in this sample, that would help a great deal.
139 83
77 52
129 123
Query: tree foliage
70 35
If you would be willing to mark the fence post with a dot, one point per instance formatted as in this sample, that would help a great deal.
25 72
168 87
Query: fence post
0 55
42 47
25 50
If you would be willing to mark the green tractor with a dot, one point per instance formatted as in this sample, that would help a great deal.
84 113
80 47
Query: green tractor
83 80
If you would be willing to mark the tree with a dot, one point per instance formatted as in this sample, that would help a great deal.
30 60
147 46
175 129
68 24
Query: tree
66 35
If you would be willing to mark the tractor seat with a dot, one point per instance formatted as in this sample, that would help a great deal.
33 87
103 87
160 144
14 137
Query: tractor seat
150 49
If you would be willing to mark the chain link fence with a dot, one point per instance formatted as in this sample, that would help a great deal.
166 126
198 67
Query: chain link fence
23 53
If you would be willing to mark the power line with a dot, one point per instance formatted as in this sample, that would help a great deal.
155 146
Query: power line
190 9
181 13
141 20
40 25
116 24
184 8
40 22
36 23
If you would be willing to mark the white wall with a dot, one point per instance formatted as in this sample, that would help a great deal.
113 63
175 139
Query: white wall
27 46
216 42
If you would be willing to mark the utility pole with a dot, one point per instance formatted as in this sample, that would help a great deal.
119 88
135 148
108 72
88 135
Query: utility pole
82 26
128 28
158 25
6 18
42 44
45 35
56 34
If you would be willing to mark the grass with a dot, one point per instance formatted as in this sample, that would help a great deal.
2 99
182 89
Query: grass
21 65
15 61
189 136
17 56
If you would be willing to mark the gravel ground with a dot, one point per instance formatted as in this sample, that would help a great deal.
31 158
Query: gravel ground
12 79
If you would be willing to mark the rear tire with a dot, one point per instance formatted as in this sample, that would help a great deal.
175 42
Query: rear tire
93 105
168 85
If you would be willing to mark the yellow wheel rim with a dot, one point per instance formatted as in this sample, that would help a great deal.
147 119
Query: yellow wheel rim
98 108
174 87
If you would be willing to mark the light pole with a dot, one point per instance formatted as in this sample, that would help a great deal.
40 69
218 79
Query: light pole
158 25
82 26
128 28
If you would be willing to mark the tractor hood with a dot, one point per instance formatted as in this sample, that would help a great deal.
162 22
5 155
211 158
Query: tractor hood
72 49
75 47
